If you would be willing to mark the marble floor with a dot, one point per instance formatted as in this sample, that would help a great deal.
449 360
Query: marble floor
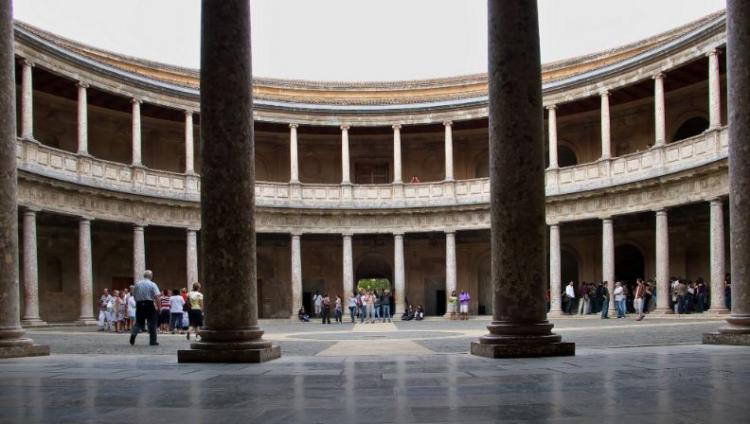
647 384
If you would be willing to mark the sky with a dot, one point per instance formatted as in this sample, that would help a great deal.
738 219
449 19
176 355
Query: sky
357 40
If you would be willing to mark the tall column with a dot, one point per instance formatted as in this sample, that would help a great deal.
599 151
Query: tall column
718 265
555 274
139 252
399 275
606 136
296 274
231 332
519 324
348 271
345 155
27 101
30 271
397 154
293 155
85 273
189 148
663 292
448 150
192 257
608 257
450 264
714 90
737 329
136 134
83 119
552 129
12 342
660 128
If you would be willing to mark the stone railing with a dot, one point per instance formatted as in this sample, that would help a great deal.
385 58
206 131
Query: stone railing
694 152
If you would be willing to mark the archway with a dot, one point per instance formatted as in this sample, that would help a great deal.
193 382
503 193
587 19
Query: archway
566 156
568 266
373 266
690 128
484 280
629 266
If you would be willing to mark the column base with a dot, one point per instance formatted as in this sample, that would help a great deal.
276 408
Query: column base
228 355
86 322
525 350
726 339
21 348
556 314
33 322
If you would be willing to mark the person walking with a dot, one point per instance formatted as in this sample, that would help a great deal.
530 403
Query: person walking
352 305
619 294
195 313
146 294
176 305
338 310
570 294
604 299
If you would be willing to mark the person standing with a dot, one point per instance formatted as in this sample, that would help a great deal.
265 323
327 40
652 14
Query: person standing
386 303
338 310
325 304
463 300
130 309
146 294
604 299
619 294
195 313
352 305
376 305
570 294
164 312
452 305
640 294
317 303
370 305
176 305
103 302
583 302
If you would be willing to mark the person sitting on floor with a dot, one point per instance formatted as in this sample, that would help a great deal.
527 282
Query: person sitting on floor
408 314
419 313
302 315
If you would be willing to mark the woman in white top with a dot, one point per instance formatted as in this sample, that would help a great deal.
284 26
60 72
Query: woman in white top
176 303
195 311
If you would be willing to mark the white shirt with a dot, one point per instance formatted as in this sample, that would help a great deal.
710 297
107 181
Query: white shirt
175 304
618 293
570 292
318 299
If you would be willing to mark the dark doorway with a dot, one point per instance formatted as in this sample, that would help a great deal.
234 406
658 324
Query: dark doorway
629 266
568 267
566 156
484 279
690 128
441 300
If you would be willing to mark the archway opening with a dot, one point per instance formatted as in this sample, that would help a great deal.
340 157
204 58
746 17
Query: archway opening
629 266
566 156
690 128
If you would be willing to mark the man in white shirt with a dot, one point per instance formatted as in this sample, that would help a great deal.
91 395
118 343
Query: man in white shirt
318 303
570 292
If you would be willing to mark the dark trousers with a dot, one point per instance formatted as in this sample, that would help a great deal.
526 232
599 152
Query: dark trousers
145 311
326 313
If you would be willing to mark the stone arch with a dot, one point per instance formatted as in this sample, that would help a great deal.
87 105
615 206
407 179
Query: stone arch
630 262
373 265
690 126
567 154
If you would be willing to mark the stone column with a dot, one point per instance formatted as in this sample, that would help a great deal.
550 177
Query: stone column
663 292
397 154
606 141
30 271
189 148
448 150
555 274
136 134
737 329
718 265
608 257
348 271
192 257
345 155
519 324
660 128
12 342
552 129
296 274
714 90
139 252
231 332
85 274
399 275
83 120
27 101
450 265
293 155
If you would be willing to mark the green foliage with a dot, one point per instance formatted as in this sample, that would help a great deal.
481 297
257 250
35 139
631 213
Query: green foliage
378 284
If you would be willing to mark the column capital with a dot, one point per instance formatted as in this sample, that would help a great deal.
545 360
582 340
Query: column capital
450 232
139 226
136 100
604 93
293 125
85 218
192 229
660 211
348 234
31 210
29 63
606 218
82 84
554 225
659 76
345 127
713 52
396 126
448 123
296 234
719 200
398 234
189 113
551 107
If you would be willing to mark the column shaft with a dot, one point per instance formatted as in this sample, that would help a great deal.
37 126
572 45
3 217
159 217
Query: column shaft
605 126
345 155
136 133
293 154
30 270
660 129
555 274
139 252
608 257
399 274
189 147
552 130
85 273
192 258
450 264
448 150
718 265
296 274
663 292
27 101
83 120
228 245
714 90
519 324
348 271
397 154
